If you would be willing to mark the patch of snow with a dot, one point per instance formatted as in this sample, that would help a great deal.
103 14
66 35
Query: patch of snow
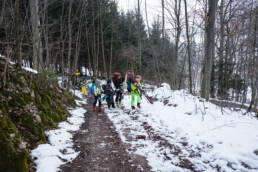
30 70
249 95
49 157
23 67
220 136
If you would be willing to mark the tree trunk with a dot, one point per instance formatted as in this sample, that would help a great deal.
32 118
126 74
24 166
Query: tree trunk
78 41
17 29
178 33
62 45
2 12
208 49
139 38
45 32
36 38
102 45
188 49
221 49
69 45
254 77
156 66
111 52
88 48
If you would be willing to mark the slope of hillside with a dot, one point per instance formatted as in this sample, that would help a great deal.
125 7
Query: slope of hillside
29 105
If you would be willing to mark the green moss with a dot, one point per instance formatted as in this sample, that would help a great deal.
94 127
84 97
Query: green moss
11 158
19 99
28 122
17 123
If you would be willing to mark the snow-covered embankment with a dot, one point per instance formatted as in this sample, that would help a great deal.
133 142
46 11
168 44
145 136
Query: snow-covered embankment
49 157
180 131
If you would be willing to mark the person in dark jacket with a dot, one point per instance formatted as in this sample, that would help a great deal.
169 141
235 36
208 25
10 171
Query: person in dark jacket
118 83
109 92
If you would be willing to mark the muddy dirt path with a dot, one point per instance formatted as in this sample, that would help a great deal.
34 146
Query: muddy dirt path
100 147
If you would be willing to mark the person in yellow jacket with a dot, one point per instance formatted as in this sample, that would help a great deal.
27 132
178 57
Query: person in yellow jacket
84 90
136 92
77 77
77 73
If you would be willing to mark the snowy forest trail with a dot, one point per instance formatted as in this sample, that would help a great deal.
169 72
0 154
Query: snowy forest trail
178 132
100 147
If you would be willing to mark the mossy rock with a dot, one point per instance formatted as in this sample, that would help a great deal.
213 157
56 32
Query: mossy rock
11 157
17 120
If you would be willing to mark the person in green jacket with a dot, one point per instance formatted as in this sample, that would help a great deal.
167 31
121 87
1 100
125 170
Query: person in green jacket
136 92
98 90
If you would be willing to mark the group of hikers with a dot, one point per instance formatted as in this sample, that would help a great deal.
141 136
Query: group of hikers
114 89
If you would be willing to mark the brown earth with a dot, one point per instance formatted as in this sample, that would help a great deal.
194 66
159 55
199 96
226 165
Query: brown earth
101 149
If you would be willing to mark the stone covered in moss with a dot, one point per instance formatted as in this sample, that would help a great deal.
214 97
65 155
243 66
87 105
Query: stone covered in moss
29 105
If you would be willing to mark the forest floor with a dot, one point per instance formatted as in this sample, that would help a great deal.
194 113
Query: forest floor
100 147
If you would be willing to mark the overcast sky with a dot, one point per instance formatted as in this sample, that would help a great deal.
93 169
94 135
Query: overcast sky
153 7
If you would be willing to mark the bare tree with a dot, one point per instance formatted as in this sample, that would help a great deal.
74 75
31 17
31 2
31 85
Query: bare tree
17 29
36 36
139 36
188 48
155 59
174 11
69 43
208 49
254 77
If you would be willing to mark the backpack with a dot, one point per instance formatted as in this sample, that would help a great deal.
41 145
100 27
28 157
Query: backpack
92 88
104 87
129 88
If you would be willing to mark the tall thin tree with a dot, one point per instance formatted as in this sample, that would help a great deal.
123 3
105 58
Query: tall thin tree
188 48
208 48
17 29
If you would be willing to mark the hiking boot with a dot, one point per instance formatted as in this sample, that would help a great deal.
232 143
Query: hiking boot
100 109
113 105
133 108
139 105
94 108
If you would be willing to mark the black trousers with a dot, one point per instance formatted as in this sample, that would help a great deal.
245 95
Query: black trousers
110 101
119 95
97 98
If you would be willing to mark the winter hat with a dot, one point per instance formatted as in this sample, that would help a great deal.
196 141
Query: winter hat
93 79
139 76
97 83
116 75
109 81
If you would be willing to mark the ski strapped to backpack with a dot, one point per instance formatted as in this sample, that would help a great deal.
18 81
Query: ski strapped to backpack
132 79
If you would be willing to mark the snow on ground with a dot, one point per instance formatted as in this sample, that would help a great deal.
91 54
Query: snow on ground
23 67
49 157
30 70
181 131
